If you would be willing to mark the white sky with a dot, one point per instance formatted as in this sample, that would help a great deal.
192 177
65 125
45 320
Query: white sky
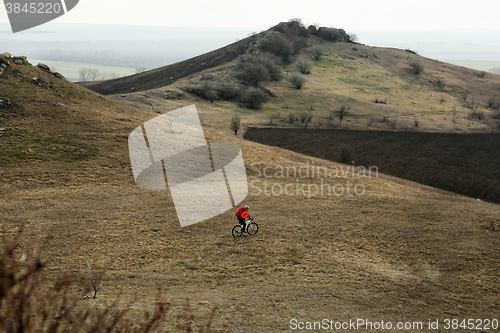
371 15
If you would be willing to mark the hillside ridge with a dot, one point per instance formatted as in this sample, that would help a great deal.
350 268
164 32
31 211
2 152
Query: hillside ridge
168 74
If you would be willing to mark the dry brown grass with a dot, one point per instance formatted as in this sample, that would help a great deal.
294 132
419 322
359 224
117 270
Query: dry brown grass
401 251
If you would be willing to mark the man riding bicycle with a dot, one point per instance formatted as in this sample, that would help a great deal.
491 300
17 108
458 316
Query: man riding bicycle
241 214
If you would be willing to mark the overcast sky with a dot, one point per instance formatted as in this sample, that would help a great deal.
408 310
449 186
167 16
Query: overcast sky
358 15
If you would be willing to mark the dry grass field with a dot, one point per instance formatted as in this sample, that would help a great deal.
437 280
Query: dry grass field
368 246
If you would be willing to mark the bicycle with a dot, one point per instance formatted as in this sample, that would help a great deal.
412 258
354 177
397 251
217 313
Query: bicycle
251 228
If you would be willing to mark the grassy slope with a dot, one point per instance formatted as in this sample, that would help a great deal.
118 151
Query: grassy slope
402 251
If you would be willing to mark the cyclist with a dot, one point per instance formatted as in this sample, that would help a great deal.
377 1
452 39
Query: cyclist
241 213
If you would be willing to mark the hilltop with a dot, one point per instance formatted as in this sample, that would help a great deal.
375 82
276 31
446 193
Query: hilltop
393 251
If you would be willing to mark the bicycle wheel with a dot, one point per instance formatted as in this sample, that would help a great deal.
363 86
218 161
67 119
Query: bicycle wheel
237 231
252 228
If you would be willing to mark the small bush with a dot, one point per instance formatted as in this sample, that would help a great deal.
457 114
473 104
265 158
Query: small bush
292 28
317 51
440 84
476 115
280 46
381 101
253 98
291 118
254 74
312 29
493 103
305 117
258 70
297 79
272 64
416 67
303 65
235 123
229 92
345 155
29 304
481 74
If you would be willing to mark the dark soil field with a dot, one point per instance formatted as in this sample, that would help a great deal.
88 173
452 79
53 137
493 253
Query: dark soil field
463 163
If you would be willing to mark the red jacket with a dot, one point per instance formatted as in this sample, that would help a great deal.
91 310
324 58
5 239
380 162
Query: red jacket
242 213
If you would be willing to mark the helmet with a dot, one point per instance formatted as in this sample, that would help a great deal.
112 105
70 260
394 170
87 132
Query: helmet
246 207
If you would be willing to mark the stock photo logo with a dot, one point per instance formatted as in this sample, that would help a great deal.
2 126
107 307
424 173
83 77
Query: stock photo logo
205 180
26 14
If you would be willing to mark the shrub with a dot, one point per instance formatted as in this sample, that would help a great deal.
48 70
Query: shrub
317 51
381 101
481 74
352 38
305 118
258 70
292 28
312 29
416 67
345 155
272 63
440 84
253 98
254 74
280 46
303 65
28 304
476 115
297 79
229 92
493 103
235 123
291 118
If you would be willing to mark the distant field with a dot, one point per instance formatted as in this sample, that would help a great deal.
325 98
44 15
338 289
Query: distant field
70 69
479 65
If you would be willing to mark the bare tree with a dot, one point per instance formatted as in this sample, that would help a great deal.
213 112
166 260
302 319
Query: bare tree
94 277
235 123
112 75
343 109
93 74
83 74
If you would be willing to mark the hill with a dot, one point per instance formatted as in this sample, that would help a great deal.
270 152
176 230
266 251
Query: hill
379 86
382 249
167 75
